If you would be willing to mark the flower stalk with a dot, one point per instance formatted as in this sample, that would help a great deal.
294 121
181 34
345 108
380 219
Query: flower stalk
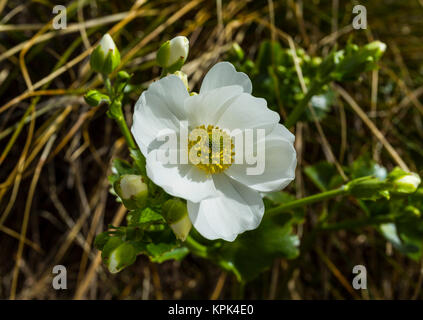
308 200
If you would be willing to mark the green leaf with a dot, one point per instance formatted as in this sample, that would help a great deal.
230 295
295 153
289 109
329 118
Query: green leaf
364 166
111 244
118 254
173 254
324 175
411 234
139 160
121 257
254 251
269 54
156 250
321 104
142 216
121 167
101 240
273 199
405 236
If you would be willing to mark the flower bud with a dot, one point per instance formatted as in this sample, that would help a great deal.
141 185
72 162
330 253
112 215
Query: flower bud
122 79
404 182
94 98
132 190
368 188
173 54
183 77
105 57
117 254
376 49
123 76
176 214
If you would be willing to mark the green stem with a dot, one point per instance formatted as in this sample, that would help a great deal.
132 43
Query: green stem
307 200
202 251
115 111
120 120
301 107
108 86
196 247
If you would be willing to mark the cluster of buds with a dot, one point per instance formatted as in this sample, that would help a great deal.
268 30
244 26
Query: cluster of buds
104 60
348 64
132 189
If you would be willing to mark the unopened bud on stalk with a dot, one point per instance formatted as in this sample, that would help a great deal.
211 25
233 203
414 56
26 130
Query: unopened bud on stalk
123 75
105 57
377 48
132 190
94 98
117 254
173 53
368 188
176 214
404 182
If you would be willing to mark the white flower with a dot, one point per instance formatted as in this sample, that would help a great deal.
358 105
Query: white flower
222 201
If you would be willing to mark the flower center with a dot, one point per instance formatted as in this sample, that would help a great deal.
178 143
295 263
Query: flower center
210 149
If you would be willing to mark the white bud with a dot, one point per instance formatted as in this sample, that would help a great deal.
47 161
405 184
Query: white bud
106 44
407 183
106 57
179 47
181 228
173 53
132 185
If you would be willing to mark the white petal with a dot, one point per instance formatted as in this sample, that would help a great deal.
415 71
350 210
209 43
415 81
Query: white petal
280 163
159 108
180 180
207 108
223 74
236 209
248 112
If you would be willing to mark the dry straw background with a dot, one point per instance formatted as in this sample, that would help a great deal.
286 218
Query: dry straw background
55 150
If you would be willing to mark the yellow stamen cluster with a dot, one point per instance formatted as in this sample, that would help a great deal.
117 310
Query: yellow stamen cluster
206 155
